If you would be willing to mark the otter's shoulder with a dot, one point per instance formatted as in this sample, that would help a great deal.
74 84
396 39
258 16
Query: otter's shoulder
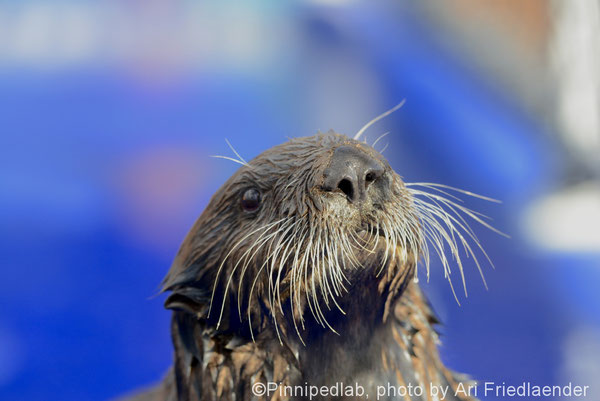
414 329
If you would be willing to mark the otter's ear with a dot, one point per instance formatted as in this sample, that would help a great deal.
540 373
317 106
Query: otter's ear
189 299
186 279
188 293
190 279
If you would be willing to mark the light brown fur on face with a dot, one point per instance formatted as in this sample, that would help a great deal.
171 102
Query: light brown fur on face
314 285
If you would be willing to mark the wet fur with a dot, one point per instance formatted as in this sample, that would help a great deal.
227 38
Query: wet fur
308 289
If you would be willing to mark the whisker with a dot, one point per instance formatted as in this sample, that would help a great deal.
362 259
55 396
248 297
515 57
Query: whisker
471 213
235 151
443 222
380 138
267 226
462 191
379 117
247 263
244 255
230 159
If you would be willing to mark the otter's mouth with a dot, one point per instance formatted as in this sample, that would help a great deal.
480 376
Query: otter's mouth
369 233
377 231
375 246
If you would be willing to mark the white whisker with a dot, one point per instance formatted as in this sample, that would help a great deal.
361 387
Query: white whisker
380 138
379 117
235 151
443 223
230 159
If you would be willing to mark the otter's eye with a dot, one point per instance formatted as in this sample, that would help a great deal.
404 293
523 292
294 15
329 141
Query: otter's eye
251 200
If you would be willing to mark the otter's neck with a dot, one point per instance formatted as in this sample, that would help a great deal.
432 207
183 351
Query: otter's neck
368 351
398 351
363 332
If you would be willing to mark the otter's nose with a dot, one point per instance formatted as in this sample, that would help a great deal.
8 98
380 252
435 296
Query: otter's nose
352 171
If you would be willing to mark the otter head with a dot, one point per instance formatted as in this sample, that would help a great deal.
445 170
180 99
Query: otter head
290 236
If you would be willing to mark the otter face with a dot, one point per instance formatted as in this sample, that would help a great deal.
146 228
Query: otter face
293 230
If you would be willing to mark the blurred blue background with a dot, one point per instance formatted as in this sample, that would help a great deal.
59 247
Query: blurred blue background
109 112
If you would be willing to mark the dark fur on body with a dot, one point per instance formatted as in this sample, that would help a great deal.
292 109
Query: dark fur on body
309 288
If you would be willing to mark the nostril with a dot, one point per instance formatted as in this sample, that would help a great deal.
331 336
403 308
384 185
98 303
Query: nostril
346 187
372 175
351 171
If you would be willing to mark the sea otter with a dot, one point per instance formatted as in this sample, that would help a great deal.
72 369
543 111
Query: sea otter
300 274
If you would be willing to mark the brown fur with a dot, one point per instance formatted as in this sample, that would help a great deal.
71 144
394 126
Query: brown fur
258 296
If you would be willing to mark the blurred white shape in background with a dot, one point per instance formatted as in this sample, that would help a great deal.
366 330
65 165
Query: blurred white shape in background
575 55
569 220
581 359
332 2
175 37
